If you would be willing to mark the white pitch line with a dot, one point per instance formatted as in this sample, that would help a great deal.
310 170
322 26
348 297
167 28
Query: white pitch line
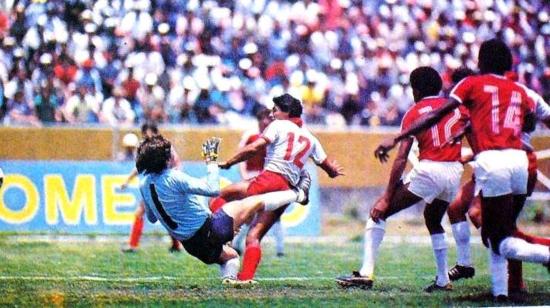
172 278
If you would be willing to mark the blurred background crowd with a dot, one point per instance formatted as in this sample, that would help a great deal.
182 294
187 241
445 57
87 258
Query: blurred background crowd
122 62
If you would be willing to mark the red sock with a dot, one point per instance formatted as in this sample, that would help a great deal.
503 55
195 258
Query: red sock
251 259
515 276
216 204
137 229
531 238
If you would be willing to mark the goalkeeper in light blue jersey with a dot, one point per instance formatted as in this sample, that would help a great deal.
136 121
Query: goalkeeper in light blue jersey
172 197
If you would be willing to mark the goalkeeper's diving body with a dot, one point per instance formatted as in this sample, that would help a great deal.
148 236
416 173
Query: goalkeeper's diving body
172 197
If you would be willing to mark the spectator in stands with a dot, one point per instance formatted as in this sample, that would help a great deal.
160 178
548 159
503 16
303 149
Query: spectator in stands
259 47
131 86
116 110
151 98
47 103
19 82
89 76
19 112
82 107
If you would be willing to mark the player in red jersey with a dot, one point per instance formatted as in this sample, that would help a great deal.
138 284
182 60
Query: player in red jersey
288 146
466 202
497 109
435 179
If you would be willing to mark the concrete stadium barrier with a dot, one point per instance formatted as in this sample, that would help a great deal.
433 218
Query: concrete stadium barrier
352 148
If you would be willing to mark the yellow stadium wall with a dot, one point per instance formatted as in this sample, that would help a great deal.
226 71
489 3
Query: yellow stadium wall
353 149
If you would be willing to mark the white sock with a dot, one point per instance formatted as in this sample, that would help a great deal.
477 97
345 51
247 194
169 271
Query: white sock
439 246
279 237
374 234
499 273
230 268
275 200
239 239
519 249
461 233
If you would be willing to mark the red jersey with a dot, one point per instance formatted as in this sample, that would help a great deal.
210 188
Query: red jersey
256 162
497 108
433 143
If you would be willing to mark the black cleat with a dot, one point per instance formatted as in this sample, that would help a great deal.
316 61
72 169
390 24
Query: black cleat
174 249
501 298
434 287
303 187
128 249
460 272
355 280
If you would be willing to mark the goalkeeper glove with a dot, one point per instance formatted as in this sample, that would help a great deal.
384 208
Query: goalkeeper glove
210 149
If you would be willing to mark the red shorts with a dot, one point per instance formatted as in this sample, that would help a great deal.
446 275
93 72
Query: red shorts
267 181
532 171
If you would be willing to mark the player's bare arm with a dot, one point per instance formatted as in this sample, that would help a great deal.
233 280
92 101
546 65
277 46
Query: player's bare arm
381 152
456 138
397 169
332 168
244 153
131 176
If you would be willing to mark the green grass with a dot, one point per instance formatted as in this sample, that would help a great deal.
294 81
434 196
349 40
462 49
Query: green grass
42 273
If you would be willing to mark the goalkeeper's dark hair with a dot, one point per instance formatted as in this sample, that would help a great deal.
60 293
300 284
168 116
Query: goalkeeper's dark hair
152 126
426 81
153 155
494 57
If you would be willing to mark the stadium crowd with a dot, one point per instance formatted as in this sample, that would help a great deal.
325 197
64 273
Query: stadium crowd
214 62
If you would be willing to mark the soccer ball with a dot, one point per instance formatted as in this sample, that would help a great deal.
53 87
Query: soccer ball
1 177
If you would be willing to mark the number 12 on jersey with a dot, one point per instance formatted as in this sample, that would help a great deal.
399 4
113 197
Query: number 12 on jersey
297 157
448 126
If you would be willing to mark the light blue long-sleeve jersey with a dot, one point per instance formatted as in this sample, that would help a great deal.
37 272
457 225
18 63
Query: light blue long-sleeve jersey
173 198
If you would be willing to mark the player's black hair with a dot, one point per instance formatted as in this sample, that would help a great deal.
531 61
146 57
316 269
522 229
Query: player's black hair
461 73
153 155
262 112
494 57
426 81
290 104
149 126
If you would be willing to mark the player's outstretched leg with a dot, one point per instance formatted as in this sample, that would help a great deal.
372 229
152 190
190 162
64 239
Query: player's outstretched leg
374 234
498 225
242 210
433 214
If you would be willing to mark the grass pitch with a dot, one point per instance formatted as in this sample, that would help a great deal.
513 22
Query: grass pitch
97 273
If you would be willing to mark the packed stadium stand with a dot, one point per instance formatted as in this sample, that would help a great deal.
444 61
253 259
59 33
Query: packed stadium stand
214 62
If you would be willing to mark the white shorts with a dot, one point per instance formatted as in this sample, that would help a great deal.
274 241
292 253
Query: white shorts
432 180
501 172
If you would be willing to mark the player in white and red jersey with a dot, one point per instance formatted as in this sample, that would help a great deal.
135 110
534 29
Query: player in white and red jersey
497 109
248 170
288 146
435 179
